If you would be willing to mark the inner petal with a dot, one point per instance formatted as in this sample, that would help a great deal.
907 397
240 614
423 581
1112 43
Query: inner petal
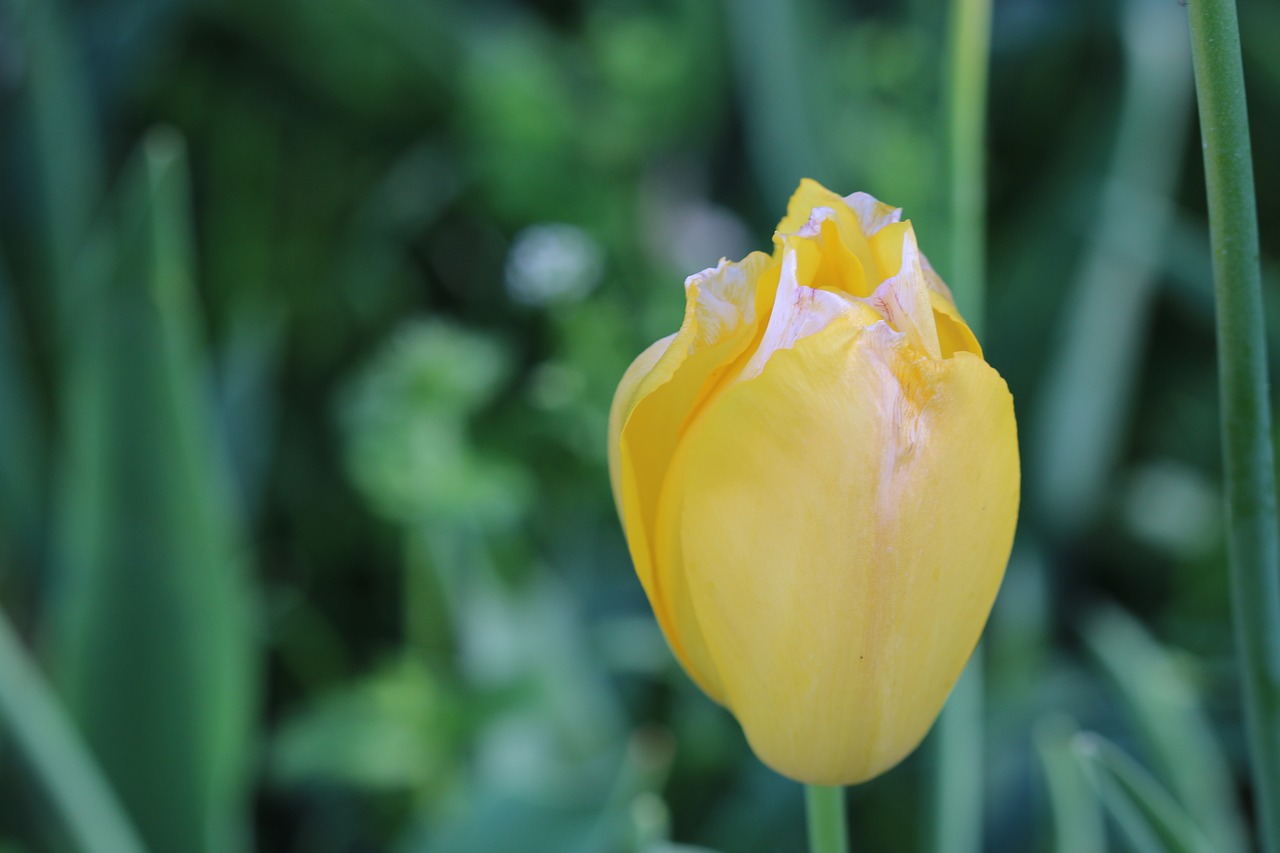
798 312
905 302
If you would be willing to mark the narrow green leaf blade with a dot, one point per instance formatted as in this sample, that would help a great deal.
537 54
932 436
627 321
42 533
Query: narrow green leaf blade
957 783
68 156
1146 813
1088 395
22 445
1172 723
151 624
1077 814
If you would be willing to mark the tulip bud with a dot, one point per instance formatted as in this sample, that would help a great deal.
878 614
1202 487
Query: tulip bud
818 480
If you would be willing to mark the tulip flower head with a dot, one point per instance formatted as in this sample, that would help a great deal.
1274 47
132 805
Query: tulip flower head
818 480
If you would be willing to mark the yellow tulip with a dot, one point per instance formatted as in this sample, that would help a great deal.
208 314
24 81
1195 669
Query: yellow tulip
818 480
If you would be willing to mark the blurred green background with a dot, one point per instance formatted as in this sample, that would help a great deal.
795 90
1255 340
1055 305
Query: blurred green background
310 317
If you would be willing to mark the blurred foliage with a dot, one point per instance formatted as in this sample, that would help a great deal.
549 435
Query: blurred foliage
310 316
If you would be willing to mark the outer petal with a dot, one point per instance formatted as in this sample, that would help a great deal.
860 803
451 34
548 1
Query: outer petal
658 397
845 519
629 392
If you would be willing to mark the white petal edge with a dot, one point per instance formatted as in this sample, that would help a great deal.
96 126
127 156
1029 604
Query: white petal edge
725 297
873 214
798 311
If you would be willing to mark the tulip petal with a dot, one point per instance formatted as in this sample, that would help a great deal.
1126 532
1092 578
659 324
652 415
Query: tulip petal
935 282
891 247
825 260
657 398
872 213
954 334
845 518
904 299
814 205
624 400
887 246
799 311
809 196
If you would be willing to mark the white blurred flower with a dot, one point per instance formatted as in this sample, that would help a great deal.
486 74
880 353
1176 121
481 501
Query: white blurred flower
553 262
682 226
695 235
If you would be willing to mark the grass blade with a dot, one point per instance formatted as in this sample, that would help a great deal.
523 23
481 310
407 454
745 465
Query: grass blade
1175 730
1077 814
69 160
1090 383
1145 811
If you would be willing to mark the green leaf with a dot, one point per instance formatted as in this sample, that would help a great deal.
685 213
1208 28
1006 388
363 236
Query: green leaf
396 729
1077 814
1146 813
151 622
407 420
957 793
1089 388
1174 728
494 820
56 756
22 445
68 156
604 806
767 41
248 366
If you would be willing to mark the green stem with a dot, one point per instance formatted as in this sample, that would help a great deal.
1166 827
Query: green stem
1253 537
771 67
38 726
828 831
966 82
957 779
956 800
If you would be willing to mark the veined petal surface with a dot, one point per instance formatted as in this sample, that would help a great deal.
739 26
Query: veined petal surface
845 519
